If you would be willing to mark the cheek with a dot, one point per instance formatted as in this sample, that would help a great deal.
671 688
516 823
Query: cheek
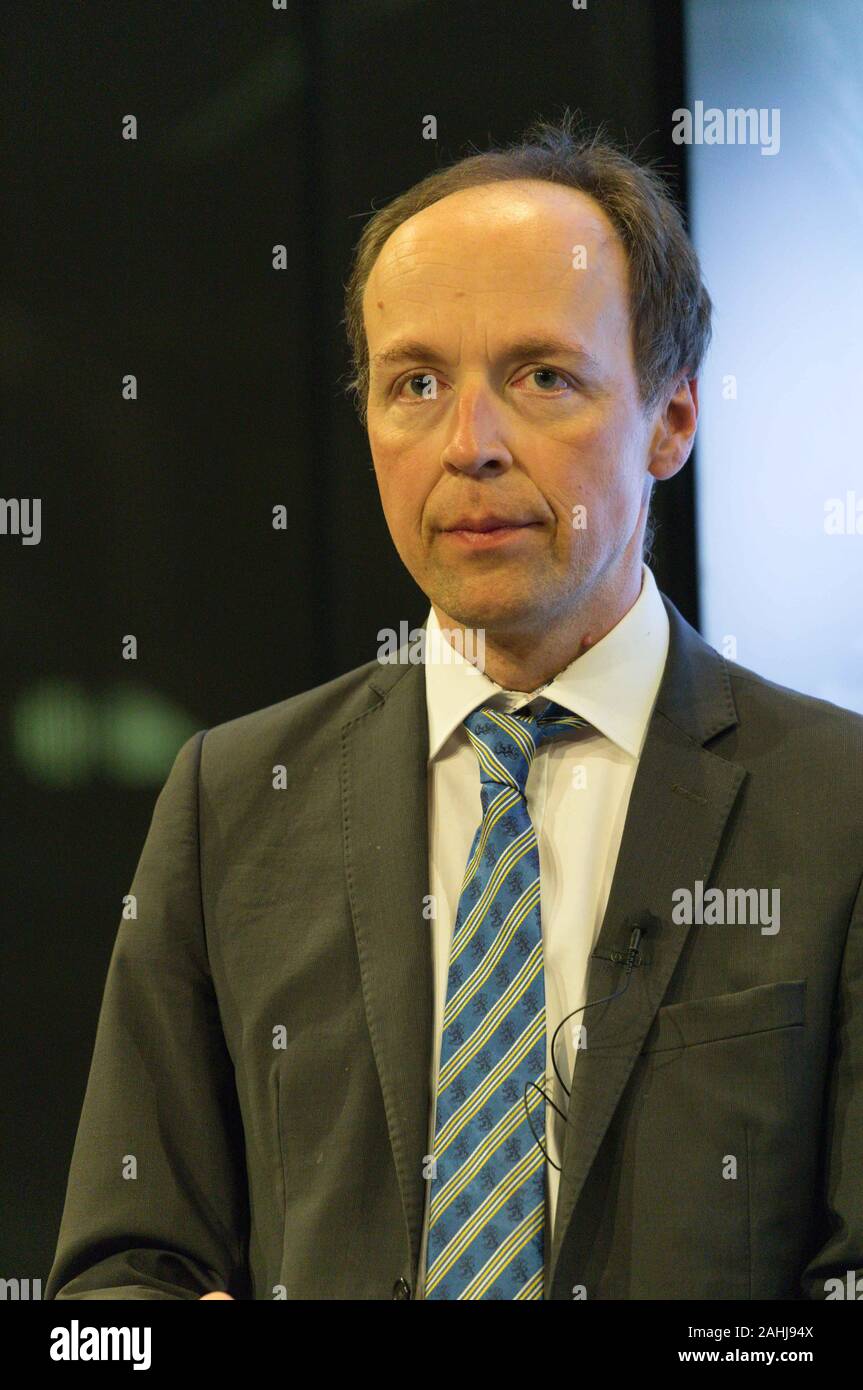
604 451
592 470
403 490
597 441
581 466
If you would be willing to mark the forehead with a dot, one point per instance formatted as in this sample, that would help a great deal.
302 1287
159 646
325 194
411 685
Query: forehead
511 244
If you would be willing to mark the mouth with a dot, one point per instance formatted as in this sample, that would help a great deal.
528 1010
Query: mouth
488 532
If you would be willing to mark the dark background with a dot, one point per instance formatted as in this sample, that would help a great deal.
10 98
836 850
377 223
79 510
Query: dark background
153 257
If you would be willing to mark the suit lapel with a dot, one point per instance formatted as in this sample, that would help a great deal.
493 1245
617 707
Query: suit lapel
681 799
385 822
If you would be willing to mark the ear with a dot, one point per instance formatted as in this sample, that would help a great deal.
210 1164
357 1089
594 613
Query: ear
674 430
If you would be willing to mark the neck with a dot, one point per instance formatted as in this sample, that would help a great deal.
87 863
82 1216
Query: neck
526 655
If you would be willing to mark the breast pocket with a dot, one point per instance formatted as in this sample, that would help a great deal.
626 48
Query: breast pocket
761 1009
705 1207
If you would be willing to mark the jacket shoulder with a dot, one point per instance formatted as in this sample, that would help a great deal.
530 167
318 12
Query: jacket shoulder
759 693
303 717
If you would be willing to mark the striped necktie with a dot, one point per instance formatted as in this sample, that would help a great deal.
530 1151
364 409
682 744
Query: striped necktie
487 1212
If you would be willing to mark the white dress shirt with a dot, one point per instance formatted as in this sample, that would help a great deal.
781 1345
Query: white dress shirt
577 793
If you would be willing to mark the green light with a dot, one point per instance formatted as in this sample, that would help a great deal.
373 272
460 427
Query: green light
63 737
53 733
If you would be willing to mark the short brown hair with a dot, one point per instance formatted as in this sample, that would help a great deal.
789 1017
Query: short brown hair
669 306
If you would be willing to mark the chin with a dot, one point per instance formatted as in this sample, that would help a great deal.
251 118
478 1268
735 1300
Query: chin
493 612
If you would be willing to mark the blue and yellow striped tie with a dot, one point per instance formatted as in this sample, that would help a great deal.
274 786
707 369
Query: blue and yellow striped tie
487 1212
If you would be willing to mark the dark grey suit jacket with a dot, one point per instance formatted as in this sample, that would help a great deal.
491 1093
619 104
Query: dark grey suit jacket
296 916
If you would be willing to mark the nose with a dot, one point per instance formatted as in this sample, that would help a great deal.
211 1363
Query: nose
476 442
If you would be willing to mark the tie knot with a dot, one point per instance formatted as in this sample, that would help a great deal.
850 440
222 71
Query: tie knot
505 743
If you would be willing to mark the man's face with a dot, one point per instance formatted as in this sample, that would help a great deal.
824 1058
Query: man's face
471 426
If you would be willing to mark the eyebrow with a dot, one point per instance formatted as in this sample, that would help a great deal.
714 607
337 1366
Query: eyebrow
536 347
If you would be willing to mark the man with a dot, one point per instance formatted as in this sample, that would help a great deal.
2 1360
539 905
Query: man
538 980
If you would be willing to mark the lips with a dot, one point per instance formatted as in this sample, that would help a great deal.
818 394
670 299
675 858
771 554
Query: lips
489 523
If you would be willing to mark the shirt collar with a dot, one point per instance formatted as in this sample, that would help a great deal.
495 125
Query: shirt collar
613 685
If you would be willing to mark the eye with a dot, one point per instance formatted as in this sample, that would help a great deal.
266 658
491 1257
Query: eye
549 372
419 388
419 382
